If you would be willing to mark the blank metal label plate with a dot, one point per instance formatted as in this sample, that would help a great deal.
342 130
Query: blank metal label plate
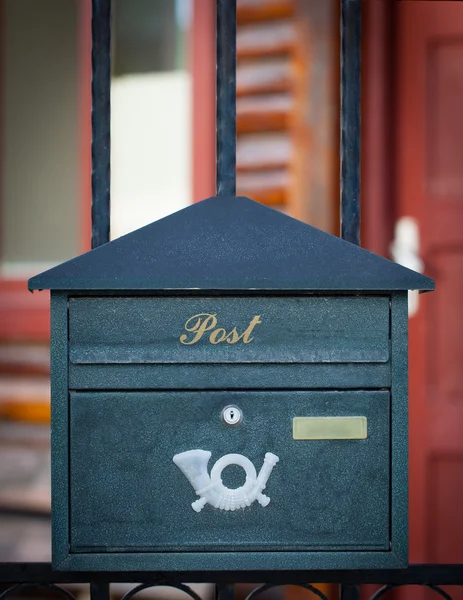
330 428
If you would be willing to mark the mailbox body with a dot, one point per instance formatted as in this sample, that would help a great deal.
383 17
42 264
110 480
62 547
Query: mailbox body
127 397
135 381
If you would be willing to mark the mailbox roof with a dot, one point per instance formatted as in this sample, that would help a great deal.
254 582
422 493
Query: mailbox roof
229 243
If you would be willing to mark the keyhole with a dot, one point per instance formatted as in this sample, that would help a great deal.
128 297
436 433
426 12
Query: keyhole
231 415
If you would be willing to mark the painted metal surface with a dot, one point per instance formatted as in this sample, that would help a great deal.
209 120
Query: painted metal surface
59 425
226 98
425 575
124 504
229 376
238 245
101 121
350 119
151 342
324 329
127 495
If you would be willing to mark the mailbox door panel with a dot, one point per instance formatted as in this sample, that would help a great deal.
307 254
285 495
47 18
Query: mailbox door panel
126 493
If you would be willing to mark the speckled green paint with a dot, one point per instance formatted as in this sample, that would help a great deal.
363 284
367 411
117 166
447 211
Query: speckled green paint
100 487
126 398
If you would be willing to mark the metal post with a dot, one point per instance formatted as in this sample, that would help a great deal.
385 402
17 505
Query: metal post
226 98
224 591
349 592
100 590
350 120
101 120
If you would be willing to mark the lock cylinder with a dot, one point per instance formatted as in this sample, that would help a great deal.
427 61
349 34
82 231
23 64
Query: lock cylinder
232 415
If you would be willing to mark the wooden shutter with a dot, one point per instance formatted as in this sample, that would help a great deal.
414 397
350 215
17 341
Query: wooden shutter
286 106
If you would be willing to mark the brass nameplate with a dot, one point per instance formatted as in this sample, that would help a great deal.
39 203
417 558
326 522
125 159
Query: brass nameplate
330 428
205 324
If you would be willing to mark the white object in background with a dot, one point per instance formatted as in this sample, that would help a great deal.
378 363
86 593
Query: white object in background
151 174
193 464
405 251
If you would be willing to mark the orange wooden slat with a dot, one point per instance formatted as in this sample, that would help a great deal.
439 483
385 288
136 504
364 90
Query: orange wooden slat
28 411
277 199
266 39
260 10
267 84
263 151
260 76
269 187
25 399
269 112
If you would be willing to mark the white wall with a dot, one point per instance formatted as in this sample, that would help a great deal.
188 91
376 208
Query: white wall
150 148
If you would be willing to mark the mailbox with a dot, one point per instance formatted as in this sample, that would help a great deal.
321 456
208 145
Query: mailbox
229 392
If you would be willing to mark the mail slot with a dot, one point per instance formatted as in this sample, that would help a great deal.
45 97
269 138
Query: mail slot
229 393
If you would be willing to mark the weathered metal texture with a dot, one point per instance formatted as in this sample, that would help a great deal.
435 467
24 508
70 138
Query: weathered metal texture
226 98
42 574
232 376
100 590
326 495
59 355
105 519
134 330
101 121
239 245
350 120
227 304
349 592
399 423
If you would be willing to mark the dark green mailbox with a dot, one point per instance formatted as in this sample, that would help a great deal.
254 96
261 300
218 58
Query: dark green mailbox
229 392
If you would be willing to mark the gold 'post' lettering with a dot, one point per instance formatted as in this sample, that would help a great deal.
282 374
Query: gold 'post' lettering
213 337
246 339
204 322
233 336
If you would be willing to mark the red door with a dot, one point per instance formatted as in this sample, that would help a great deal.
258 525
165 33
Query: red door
429 167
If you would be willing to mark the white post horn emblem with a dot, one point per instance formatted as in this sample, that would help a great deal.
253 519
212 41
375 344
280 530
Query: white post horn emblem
193 464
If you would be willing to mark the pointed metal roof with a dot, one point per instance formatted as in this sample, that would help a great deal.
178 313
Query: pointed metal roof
229 244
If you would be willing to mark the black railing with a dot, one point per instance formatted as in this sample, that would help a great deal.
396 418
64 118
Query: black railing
26 576
350 120
226 98
101 121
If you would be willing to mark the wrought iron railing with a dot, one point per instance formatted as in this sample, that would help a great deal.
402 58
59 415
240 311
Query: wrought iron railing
19 577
